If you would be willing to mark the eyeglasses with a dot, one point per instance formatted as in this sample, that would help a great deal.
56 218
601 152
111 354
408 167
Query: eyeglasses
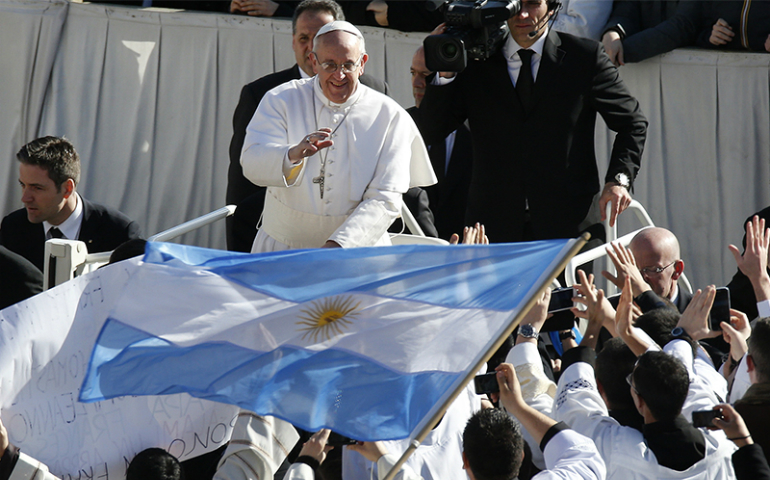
331 67
654 270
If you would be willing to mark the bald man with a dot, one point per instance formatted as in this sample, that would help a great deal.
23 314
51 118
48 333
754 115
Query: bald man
657 255
656 251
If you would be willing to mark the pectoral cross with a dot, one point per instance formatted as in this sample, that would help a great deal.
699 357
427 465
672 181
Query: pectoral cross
320 181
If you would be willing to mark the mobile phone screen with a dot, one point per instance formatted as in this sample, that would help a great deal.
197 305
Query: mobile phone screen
720 311
561 299
486 383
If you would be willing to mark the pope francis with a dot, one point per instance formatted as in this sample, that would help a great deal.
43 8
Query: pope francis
335 155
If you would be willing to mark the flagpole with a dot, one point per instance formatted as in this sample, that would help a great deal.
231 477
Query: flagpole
574 250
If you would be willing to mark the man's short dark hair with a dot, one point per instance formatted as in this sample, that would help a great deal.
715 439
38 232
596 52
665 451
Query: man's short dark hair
154 464
326 6
55 155
759 348
613 364
493 445
658 324
662 381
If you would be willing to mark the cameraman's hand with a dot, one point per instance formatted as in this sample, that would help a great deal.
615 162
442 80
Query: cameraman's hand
439 30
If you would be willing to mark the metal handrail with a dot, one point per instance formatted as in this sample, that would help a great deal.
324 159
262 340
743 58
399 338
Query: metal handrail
91 261
193 224
410 222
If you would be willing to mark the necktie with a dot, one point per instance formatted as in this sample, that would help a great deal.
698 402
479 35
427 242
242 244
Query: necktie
55 233
525 81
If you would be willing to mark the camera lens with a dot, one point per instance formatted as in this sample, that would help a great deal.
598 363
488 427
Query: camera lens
449 51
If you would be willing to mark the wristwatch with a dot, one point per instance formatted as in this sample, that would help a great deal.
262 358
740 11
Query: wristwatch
679 333
528 331
622 180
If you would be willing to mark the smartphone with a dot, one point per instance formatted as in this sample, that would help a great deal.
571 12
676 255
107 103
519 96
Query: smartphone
563 320
720 311
703 418
336 440
561 299
486 383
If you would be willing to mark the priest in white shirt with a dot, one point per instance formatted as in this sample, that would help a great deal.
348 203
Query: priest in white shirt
335 155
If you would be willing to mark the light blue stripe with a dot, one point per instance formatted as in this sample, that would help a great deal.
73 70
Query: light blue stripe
350 394
494 277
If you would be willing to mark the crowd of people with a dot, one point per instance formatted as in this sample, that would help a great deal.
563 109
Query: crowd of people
321 157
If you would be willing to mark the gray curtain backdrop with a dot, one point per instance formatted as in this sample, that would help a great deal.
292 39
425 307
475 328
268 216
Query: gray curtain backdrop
147 97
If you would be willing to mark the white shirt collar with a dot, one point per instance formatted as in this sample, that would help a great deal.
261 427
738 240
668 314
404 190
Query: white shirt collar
71 226
511 48
302 73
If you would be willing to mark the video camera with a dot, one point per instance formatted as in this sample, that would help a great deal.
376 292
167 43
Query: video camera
475 30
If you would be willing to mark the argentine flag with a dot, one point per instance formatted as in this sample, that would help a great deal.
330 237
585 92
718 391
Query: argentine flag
363 341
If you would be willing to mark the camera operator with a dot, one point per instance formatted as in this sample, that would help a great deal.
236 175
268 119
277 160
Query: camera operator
532 122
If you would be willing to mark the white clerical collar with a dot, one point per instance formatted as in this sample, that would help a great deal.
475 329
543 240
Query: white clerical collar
511 48
70 227
325 101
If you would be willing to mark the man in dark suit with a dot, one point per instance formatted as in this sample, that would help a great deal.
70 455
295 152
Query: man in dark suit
49 171
451 159
308 18
21 279
532 123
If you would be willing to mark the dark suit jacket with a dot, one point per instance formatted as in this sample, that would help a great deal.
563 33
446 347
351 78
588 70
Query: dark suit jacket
239 188
103 229
544 156
449 197
21 279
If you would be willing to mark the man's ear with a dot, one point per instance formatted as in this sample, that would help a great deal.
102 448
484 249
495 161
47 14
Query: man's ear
364 59
465 462
69 187
314 62
678 269
750 365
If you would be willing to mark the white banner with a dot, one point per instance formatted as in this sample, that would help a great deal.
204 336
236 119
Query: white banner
45 344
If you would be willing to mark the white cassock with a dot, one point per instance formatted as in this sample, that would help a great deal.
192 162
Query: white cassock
378 154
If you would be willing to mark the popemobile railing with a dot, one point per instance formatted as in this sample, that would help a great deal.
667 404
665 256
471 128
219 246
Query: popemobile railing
67 259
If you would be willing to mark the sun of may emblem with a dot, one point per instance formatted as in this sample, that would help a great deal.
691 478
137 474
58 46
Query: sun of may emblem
327 318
